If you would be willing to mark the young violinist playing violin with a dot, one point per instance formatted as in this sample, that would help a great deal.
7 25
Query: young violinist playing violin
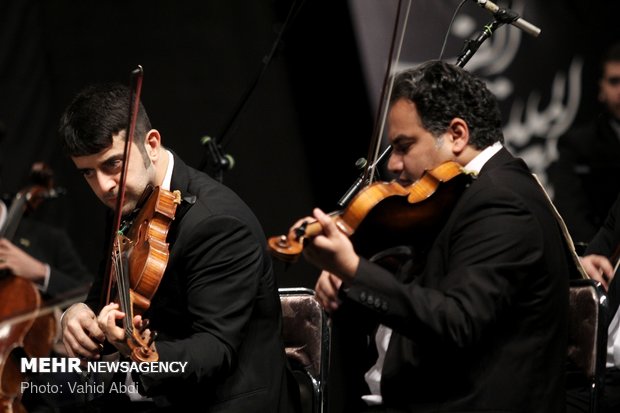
482 326
217 306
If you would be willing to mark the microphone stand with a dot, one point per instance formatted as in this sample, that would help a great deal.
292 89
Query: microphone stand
471 46
214 160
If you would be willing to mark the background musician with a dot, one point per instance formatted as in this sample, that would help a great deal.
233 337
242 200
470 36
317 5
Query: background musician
217 306
599 260
46 256
33 249
482 327
587 156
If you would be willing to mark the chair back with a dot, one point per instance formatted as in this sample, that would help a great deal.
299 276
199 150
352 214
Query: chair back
587 338
306 339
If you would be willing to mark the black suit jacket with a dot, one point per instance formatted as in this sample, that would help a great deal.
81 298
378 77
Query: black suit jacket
217 306
483 327
68 274
607 239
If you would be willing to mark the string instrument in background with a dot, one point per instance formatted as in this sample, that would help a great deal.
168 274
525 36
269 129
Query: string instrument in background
33 334
138 249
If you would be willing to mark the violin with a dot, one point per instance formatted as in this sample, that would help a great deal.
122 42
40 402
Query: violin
138 250
386 214
32 334
140 257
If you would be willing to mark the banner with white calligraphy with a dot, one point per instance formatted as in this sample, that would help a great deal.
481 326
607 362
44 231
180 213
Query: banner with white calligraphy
544 84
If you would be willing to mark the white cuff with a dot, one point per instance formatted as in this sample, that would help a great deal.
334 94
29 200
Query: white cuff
45 282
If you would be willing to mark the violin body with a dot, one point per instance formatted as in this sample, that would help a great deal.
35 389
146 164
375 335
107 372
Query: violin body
386 214
140 258
145 244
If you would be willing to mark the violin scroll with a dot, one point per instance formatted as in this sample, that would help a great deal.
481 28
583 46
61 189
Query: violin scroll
141 348
287 248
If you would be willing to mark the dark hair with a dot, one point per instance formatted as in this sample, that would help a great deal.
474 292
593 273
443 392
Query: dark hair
442 92
95 115
612 54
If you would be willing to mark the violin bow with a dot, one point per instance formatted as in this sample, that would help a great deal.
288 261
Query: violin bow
386 89
134 105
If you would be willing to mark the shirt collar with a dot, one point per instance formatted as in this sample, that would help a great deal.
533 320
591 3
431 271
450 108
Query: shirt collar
168 177
476 164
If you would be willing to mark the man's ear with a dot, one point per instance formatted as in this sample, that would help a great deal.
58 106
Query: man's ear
152 142
459 135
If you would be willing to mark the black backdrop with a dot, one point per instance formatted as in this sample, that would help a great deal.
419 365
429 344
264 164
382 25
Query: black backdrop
291 152
310 117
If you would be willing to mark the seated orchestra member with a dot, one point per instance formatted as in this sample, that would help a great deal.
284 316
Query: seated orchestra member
46 256
217 307
483 325
35 250
588 155
597 262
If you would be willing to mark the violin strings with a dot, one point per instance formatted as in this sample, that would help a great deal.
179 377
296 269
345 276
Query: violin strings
122 287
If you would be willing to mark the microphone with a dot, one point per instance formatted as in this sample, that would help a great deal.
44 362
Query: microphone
224 162
509 16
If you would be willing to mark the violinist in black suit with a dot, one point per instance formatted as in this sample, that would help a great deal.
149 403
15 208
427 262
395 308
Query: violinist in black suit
482 326
217 307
